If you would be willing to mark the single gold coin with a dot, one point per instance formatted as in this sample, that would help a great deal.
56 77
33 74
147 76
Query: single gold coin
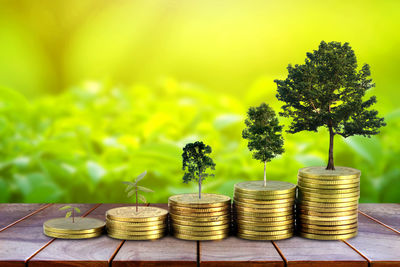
328 232
328 196
135 228
200 219
139 225
328 200
333 187
322 173
264 224
72 236
204 233
287 209
264 219
328 182
329 191
326 214
199 215
80 225
135 237
266 233
326 218
178 209
301 206
200 228
271 188
264 202
261 237
331 223
328 227
129 214
265 228
263 215
240 195
327 237
200 224
123 232
259 206
328 205
206 200
201 238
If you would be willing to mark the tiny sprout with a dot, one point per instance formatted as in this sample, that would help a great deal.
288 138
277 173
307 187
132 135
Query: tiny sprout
133 188
71 211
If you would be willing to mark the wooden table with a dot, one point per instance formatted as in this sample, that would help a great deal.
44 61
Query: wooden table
22 243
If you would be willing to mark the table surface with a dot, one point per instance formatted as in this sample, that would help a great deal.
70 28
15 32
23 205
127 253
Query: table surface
22 243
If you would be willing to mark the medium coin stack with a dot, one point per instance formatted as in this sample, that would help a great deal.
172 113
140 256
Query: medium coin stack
205 218
73 228
264 212
328 202
145 223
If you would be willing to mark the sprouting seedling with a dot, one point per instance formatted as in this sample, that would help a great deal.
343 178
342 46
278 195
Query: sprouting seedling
133 188
71 211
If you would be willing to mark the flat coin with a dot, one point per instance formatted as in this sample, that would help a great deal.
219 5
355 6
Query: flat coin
301 206
328 228
328 200
288 209
265 228
201 238
191 223
133 224
265 202
327 232
328 196
326 214
264 197
330 191
200 228
327 237
179 209
80 225
258 188
264 224
135 237
263 215
129 214
135 228
328 182
328 205
123 232
200 219
199 215
208 233
322 173
192 200
331 223
265 233
326 218
258 206
323 186
260 237
264 219
72 236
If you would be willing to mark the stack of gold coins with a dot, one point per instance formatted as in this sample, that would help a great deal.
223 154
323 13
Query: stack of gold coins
73 228
264 212
328 202
143 223
205 218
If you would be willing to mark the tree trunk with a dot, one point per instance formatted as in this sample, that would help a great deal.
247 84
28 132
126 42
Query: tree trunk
330 165
137 202
199 186
265 174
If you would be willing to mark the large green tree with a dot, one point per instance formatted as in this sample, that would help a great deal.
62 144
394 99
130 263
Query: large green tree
328 90
195 162
263 133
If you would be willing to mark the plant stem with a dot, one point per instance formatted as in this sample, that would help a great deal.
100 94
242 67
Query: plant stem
265 174
330 165
137 202
73 215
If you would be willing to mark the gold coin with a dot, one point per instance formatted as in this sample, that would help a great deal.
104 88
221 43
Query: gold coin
80 225
136 237
288 209
264 202
265 233
139 224
325 218
258 188
328 200
328 214
200 228
177 209
323 186
263 215
322 173
201 238
329 191
135 228
263 219
328 232
199 215
328 196
124 232
239 195
327 237
204 233
260 237
331 223
259 206
329 228
301 206
72 236
328 182
203 224
200 219
264 224
265 228
129 214
328 205
206 201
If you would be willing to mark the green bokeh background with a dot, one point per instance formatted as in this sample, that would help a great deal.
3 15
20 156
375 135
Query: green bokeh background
92 93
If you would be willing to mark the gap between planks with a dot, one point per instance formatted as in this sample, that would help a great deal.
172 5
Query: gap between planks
280 253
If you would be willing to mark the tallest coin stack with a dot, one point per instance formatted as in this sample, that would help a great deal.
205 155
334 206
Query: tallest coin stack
328 203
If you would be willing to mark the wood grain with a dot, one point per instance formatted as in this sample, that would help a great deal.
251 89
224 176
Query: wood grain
19 242
379 244
88 252
388 214
10 213
237 252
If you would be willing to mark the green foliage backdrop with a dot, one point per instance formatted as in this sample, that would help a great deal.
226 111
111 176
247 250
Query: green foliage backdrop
94 92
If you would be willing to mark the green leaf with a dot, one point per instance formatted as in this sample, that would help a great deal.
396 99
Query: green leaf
131 193
68 214
130 186
77 210
140 176
65 207
144 189
142 198
95 170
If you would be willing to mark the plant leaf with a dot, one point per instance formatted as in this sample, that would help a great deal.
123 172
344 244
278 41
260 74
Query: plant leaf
142 198
77 210
130 185
65 207
68 214
140 176
131 193
145 189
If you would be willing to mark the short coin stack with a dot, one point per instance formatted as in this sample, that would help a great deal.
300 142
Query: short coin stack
73 228
328 203
193 218
264 212
127 223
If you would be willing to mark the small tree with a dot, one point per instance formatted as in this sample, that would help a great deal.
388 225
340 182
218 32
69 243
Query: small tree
328 91
71 212
133 188
195 163
263 133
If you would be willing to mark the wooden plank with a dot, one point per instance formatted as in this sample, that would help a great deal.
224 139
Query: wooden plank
308 252
21 241
388 214
376 242
237 252
167 251
87 252
13 212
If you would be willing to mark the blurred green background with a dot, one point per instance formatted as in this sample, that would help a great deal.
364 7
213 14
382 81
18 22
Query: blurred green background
93 92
